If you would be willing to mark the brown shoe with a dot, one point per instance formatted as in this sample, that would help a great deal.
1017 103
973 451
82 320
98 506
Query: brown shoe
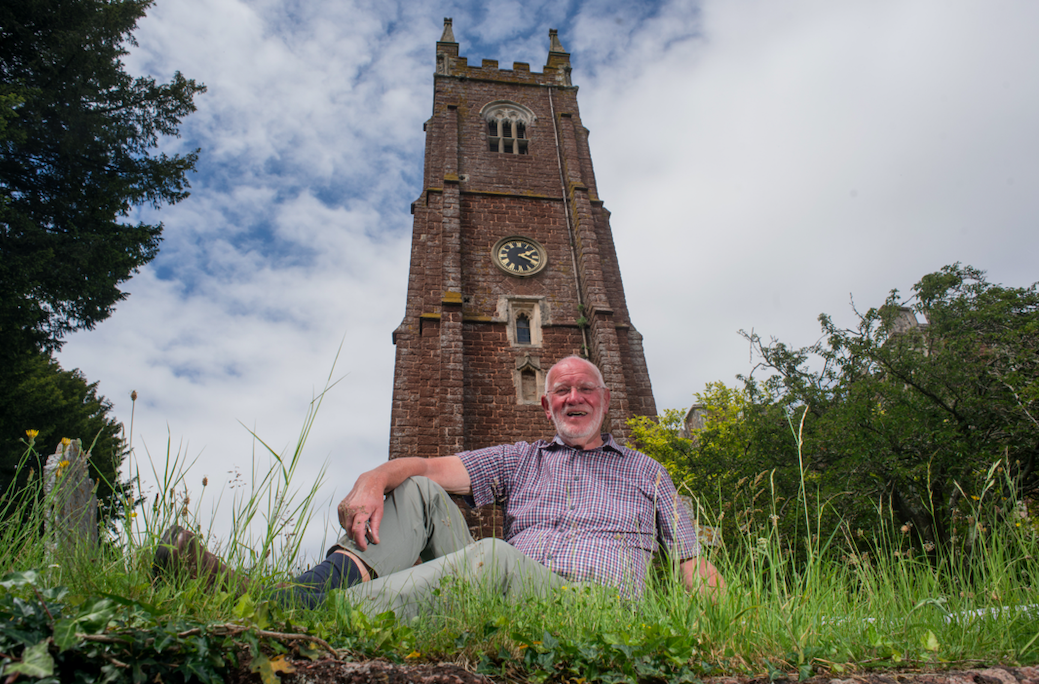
180 550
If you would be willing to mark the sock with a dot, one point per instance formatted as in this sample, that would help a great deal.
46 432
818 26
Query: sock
337 571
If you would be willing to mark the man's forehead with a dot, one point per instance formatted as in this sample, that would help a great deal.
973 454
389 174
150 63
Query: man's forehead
573 371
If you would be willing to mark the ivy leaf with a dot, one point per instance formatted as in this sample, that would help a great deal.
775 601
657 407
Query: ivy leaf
19 579
97 616
36 662
65 634
282 664
268 669
93 621
311 650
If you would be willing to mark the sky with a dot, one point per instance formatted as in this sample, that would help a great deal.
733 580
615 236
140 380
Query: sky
764 163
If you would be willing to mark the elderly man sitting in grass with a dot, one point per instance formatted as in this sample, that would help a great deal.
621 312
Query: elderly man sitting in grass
580 508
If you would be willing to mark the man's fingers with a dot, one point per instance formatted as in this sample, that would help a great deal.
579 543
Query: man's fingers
357 532
360 516
374 523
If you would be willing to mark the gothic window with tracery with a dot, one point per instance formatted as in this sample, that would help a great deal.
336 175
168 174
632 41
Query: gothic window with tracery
507 126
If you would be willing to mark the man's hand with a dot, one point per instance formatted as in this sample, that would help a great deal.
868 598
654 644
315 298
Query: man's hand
700 575
361 511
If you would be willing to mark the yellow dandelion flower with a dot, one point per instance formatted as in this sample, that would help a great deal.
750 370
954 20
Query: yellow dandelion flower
65 441
32 434
64 464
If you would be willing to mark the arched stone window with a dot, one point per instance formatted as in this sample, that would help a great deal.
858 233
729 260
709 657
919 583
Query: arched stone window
524 320
522 329
508 125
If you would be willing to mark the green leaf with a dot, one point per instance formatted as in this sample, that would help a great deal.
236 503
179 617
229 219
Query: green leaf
36 662
65 634
97 616
245 608
311 650
19 579
930 642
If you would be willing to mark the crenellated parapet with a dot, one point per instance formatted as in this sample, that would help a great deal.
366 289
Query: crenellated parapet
556 71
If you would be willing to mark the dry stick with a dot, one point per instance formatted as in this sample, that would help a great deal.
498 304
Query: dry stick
305 637
224 629
117 663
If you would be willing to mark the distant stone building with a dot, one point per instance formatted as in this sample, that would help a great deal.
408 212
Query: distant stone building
695 419
905 320
513 264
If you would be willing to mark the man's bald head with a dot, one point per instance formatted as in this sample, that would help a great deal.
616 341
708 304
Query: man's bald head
568 361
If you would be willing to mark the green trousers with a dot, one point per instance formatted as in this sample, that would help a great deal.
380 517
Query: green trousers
422 522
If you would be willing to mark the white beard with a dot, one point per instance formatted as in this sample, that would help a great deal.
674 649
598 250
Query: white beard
572 436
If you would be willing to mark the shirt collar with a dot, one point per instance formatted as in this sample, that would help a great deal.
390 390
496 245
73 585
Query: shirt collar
608 444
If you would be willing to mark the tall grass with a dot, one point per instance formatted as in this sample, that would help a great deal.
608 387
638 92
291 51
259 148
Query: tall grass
822 600
268 512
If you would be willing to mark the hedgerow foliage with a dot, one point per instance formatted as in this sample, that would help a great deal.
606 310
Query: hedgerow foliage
896 413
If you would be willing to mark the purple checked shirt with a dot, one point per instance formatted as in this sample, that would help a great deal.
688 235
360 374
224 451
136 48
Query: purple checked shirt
595 515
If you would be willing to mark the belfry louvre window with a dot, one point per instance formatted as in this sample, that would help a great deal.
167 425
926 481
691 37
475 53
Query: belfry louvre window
507 136
508 127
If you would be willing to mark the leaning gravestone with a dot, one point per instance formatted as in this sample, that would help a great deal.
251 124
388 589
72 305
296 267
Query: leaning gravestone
69 495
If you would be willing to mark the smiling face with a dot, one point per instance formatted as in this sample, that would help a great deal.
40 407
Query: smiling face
578 413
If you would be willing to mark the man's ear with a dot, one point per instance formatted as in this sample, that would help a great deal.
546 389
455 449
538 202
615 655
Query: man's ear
547 406
606 398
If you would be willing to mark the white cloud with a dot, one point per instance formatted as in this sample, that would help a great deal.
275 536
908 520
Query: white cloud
797 153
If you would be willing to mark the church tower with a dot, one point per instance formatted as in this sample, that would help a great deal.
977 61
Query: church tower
513 265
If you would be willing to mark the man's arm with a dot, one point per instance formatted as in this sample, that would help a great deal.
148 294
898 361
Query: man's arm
361 511
700 575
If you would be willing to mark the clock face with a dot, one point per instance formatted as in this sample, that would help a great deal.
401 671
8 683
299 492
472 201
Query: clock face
520 256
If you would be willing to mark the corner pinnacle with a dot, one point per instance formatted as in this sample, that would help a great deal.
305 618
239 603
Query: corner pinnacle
554 44
449 35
